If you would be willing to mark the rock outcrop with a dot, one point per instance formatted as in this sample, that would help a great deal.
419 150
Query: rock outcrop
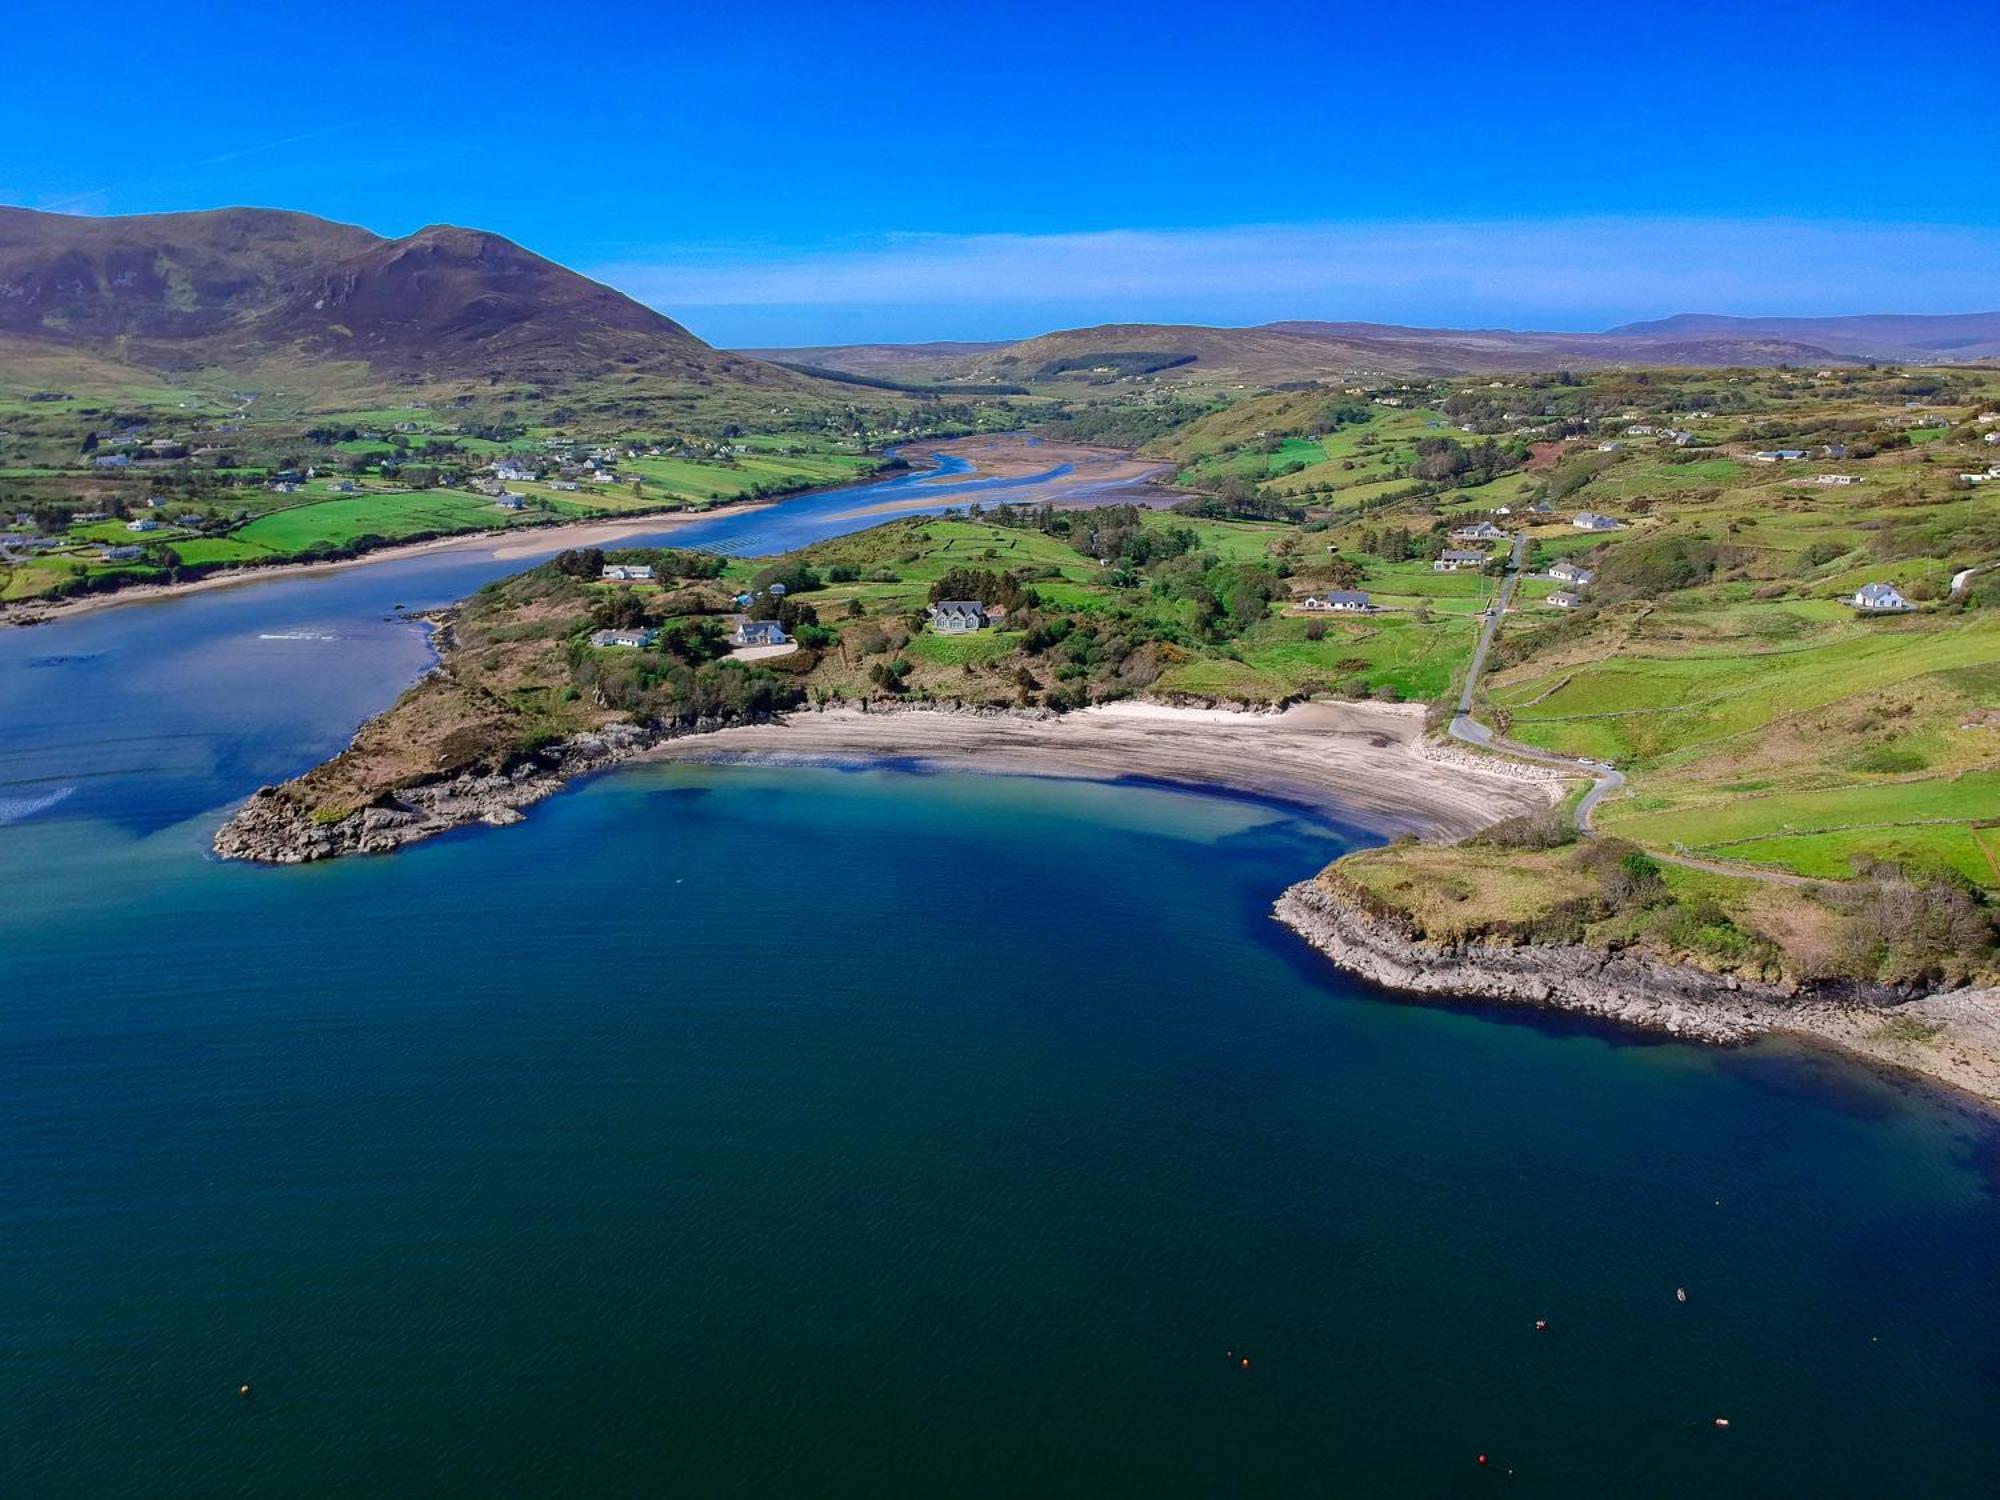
275 827
1637 990
1952 1037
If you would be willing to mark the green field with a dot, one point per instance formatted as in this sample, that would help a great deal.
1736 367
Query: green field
338 523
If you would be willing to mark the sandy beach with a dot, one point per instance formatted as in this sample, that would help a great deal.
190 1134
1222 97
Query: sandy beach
1357 761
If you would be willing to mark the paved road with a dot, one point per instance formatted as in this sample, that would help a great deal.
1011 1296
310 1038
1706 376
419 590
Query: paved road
1604 780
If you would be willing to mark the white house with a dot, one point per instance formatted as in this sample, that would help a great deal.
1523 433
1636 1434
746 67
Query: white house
1480 531
510 471
123 554
511 501
627 639
567 486
1562 599
1778 455
760 633
1837 479
144 523
627 573
957 616
1879 597
1610 447
1572 573
1452 559
1590 520
1343 601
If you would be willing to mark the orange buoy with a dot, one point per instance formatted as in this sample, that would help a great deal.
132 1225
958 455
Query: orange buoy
1246 1363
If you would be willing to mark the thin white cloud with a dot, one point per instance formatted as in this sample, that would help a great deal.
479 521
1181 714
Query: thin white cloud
291 140
1563 271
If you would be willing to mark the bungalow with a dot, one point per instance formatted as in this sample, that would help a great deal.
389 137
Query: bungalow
631 639
1346 601
567 486
344 487
1879 597
1572 573
1640 430
627 573
1453 558
512 502
1778 455
1540 508
144 523
112 461
154 502
1610 447
777 590
1564 600
508 471
1482 531
1833 450
1837 479
1590 520
958 616
761 633
123 554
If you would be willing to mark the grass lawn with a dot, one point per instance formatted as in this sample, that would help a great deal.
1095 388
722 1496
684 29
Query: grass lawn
336 523
1971 851
963 650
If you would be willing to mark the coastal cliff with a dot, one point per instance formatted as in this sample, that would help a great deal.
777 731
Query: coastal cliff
1952 1036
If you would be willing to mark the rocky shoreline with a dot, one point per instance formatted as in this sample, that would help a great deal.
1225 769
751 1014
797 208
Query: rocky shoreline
272 828
1951 1037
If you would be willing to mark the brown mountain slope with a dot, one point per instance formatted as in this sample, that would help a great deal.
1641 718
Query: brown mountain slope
1894 336
1278 353
156 276
239 289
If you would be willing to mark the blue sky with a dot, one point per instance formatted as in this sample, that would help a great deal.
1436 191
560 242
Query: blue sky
780 173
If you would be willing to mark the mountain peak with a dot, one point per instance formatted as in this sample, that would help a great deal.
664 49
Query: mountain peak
235 287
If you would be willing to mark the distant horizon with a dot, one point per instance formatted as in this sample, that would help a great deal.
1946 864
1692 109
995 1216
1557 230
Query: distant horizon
1502 276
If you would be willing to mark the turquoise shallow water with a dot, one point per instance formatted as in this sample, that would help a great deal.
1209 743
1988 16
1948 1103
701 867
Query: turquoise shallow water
758 1131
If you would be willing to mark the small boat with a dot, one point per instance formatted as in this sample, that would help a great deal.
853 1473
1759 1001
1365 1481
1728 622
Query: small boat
1680 1294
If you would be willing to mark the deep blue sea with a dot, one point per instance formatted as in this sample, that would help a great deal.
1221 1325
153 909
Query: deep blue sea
779 1131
